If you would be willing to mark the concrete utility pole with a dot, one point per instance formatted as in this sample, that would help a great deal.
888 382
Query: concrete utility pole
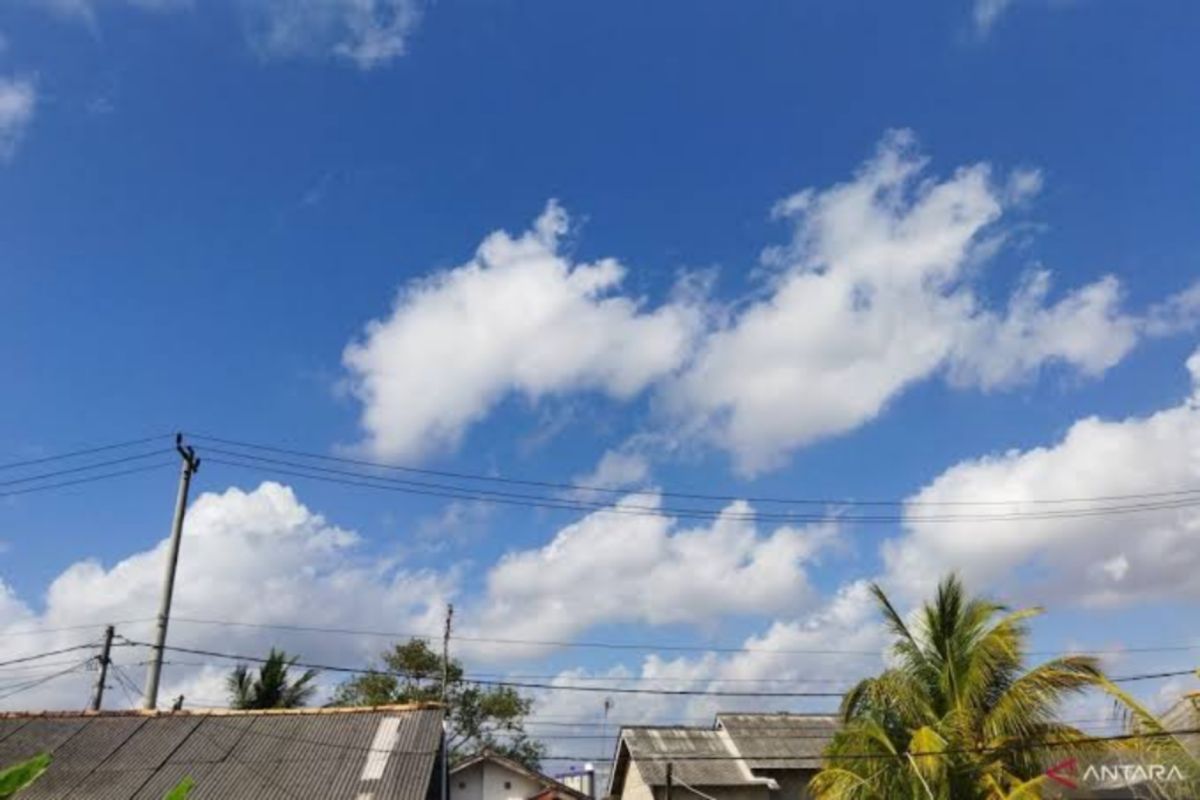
186 471
98 693
446 651
445 714
670 777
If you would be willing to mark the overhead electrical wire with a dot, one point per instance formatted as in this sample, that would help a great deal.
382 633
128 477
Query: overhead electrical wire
84 467
89 479
561 687
548 502
47 654
570 487
38 682
85 452
128 687
45 631
638 646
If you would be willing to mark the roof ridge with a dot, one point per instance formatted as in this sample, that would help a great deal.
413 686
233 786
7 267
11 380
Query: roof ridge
224 712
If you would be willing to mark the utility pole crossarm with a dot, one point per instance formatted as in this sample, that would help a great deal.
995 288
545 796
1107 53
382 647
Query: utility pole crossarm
188 467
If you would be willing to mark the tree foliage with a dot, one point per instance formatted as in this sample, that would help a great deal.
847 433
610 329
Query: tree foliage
958 716
272 687
15 778
480 718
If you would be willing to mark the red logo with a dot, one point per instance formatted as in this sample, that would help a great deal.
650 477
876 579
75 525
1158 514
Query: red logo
1061 770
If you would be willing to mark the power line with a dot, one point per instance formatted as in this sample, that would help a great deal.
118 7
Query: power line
47 654
684 495
38 682
638 646
78 481
128 687
84 452
560 687
367 481
84 468
509 684
45 631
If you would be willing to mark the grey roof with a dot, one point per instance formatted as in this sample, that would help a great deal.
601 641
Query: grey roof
779 741
296 754
649 748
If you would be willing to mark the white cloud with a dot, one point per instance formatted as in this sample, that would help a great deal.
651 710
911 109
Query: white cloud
616 469
252 557
518 318
84 11
370 33
18 98
1086 329
823 650
874 294
1097 560
625 568
367 33
877 290
987 12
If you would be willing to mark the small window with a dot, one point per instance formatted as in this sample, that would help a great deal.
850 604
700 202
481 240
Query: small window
508 784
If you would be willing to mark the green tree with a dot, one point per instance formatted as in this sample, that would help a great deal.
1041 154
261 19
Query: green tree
480 718
272 687
958 716
15 778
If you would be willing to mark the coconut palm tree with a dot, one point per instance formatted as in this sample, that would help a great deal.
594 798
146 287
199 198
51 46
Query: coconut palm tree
272 688
957 716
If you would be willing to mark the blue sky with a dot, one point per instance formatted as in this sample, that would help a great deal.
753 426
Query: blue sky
203 205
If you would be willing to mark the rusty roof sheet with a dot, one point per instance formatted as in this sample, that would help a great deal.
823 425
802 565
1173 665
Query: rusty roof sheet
389 752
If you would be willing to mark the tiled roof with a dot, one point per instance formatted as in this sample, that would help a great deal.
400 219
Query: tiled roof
388 752
779 741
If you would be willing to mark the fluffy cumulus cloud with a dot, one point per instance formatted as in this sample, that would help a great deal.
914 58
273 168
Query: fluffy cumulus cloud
263 558
877 289
643 568
368 33
1086 329
1150 551
18 97
825 649
257 557
518 318
875 293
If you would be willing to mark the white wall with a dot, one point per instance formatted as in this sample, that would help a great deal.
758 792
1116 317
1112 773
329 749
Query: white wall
488 781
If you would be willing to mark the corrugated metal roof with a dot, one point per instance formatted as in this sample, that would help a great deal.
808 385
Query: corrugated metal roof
649 748
312 753
779 741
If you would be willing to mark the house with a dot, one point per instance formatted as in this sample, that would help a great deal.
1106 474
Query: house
489 776
741 757
381 753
